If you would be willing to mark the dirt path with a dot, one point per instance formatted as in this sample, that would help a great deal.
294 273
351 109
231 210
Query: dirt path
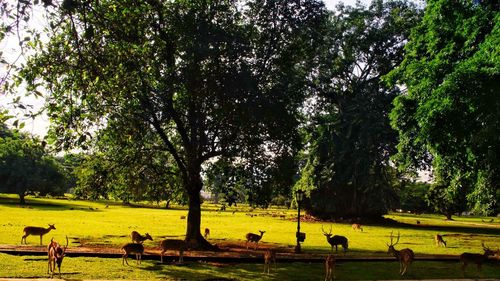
230 252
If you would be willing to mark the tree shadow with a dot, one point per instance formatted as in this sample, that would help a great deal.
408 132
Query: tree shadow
34 203
467 230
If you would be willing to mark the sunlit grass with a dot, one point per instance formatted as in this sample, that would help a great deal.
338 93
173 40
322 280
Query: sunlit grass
94 223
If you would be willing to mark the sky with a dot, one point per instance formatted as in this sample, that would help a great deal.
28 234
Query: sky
39 125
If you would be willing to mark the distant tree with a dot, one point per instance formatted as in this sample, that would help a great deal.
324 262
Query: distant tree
449 119
26 168
412 197
349 141
92 178
256 181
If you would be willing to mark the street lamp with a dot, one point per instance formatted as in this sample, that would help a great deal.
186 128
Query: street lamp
299 196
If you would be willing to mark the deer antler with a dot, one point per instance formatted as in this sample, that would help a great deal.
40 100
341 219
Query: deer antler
397 240
324 232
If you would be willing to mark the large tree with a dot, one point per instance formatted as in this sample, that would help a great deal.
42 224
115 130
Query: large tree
449 119
209 78
350 138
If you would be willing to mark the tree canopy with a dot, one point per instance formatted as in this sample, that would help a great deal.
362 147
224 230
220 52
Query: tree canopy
449 117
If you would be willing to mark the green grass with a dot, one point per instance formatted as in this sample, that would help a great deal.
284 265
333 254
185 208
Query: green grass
96 268
93 223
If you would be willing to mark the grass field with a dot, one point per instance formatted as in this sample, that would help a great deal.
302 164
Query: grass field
95 224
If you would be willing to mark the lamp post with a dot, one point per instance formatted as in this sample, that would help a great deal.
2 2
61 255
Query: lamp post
300 236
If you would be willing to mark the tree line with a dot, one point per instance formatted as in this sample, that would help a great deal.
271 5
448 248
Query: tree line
255 100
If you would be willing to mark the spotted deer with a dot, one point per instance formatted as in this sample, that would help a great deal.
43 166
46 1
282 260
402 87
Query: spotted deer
478 259
35 230
357 226
336 240
330 267
173 244
55 254
138 238
252 237
132 248
269 256
405 256
439 240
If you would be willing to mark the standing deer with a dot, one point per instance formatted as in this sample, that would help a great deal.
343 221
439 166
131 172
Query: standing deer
336 240
405 256
439 240
269 256
207 233
35 230
55 255
138 238
252 237
478 259
330 267
357 226
173 244
132 248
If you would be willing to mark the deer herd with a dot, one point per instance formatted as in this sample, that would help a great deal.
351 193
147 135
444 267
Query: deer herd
56 252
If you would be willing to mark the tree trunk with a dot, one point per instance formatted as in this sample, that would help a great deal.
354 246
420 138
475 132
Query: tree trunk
22 201
193 232
448 216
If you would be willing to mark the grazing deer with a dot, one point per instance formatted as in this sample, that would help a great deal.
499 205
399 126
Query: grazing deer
478 259
336 240
138 238
405 256
207 233
55 255
173 244
439 240
252 237
35 230
330 267
132 248
269 256
357 226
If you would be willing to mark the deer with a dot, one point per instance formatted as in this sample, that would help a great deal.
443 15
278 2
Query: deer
55 255
207 233
439 240
330 267
336 240
269 256
252 237
478 259
35 230
173 244
405 256
132 248
138 238
357 226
